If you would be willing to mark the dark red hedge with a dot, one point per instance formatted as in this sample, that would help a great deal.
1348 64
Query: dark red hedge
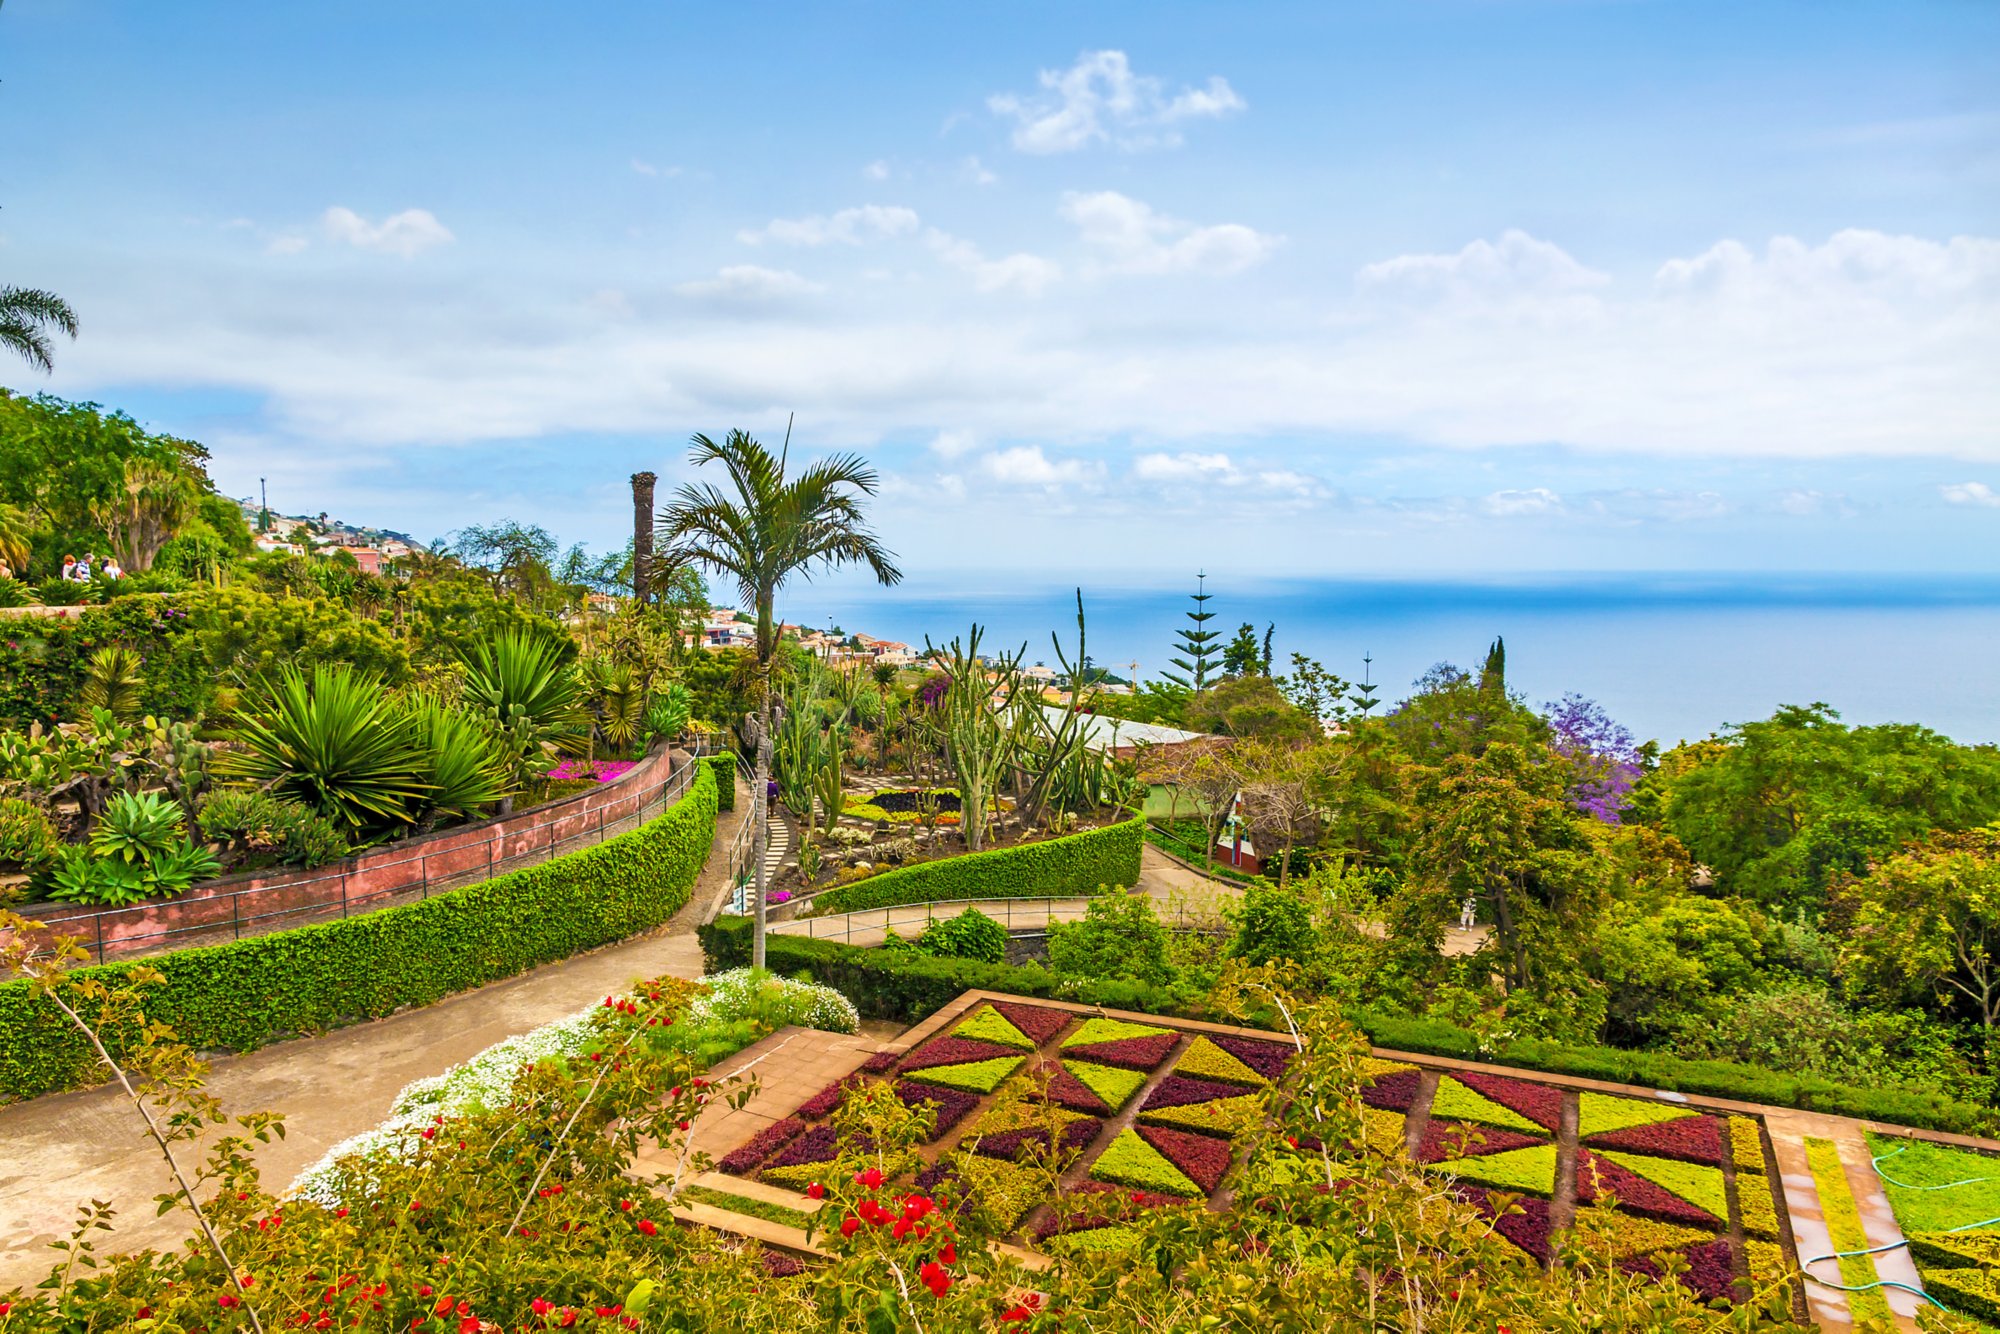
1023 1143
1449 1139
1186 1091
745 1159
1635 1193
1692 1139
1204 1160
1038 1023
818 1145
1394 1092
949 1050
952 1104
881 1063
1710 1274
1268 1059
1127 1053
1526 1225
1066 1090
825 1102
780 1265
1540 1103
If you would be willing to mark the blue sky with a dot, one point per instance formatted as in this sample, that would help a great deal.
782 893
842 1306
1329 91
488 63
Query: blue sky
1300 289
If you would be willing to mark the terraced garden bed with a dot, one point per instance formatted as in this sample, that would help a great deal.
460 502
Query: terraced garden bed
1130 1115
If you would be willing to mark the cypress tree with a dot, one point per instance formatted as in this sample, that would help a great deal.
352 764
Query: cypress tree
1493 676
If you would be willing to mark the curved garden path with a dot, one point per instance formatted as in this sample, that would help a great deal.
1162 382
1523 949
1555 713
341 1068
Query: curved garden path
61 1150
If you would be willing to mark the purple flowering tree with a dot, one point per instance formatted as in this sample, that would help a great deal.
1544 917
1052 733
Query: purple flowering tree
1601 751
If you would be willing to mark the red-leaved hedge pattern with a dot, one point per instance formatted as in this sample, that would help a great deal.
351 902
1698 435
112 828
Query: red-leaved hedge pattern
1028 1141
748 1157
1205 1161
1540 1103
1268 1059
1186 1091
1635 1193
949 1050
1692 1139
1444 1140
1038 1022
1126 1053
1393 1092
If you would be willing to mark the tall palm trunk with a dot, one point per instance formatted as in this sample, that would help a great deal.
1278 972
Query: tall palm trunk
642 536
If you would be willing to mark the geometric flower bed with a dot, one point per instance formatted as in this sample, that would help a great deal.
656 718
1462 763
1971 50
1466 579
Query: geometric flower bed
1679 1181
1137 1116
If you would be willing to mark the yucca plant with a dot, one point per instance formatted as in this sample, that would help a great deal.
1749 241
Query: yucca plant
465 766
618 699
521 681
112 682
334 740
136 827
671 711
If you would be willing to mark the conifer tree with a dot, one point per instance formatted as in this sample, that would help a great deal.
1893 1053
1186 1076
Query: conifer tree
1197 644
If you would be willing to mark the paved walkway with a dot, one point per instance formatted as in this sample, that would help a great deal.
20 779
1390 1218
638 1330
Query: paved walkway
60 1150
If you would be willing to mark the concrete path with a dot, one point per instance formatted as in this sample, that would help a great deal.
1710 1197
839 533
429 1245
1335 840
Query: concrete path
61 1150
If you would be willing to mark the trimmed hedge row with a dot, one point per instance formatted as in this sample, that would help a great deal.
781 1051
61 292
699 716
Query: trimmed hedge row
250 992
1075 865
723 766
907 987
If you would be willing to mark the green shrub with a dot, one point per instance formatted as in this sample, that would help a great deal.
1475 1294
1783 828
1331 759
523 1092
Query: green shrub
27 838
1075 865
244 994
723 766
970 935
906 985
256 822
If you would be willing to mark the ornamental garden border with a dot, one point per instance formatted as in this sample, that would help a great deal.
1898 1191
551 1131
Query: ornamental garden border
1158 1108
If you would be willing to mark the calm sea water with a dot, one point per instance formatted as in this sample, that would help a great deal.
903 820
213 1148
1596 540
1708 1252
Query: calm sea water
1671 657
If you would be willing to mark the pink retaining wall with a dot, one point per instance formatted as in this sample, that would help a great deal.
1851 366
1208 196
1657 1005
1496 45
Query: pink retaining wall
272 900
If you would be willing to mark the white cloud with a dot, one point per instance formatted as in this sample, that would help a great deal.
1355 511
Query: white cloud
750 282
1019 272
975 172
850 226
1133 238
406 233
1026 465
951 444
1514 503
1515 263
1970 493
291 243
1184 467
1100 100
877 170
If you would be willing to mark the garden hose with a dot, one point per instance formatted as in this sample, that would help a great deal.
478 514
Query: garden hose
1876 1162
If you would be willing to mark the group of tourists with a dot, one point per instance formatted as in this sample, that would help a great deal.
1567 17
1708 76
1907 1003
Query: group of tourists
80 571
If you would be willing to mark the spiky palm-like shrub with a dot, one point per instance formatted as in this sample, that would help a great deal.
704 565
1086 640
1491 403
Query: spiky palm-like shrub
112 682
334 740
524 684
465 766
136 826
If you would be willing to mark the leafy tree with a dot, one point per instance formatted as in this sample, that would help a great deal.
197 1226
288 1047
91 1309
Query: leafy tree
1776 809
1196 644
27 317
1119 937
1241 656
1926 926
1273 924
1606 761
1314 691
1672 970
1248 706
1449 713
765 530
1493 676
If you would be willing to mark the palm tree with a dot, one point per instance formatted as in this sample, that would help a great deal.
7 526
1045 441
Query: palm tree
26 317
761 532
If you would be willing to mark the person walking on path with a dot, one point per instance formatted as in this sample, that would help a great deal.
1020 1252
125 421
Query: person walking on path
69 569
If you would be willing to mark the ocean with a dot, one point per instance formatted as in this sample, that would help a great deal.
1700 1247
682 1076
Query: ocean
1672 657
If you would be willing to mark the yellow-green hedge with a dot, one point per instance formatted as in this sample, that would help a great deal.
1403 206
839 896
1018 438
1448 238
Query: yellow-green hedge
249 992
1075 865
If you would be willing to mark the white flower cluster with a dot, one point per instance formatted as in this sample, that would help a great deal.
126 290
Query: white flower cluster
737 994
342 1175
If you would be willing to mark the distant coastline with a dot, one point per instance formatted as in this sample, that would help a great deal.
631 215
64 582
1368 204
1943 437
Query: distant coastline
1673 655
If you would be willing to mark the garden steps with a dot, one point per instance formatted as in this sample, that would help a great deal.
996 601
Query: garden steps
751 1189
1830 1308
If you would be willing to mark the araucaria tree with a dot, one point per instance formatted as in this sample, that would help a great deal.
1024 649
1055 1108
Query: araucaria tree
761 531
1198 645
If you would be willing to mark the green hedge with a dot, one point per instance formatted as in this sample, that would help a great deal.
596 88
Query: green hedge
906 987
249 992
723 766
1075 865
1659 1070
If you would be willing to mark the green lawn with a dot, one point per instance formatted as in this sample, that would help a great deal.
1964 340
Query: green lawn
1921 1164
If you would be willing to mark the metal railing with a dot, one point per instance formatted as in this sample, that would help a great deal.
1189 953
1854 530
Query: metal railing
842 926
351 890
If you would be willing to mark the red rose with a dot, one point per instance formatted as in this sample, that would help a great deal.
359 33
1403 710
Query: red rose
815 1191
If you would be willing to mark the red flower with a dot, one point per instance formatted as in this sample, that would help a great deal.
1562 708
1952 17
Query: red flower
815 1191
682 1124
872 1178
541 1306
226 1300
569 1314
606 1312
949 1254
431 1133
849 1226
625 1205
469 1325
935 1278
341 1212
424 1291
647 1226
465 1307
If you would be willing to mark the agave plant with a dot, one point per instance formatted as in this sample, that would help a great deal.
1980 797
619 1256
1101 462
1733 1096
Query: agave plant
112 682
465 766
671 711
333 740
522 683
618 699
136 827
